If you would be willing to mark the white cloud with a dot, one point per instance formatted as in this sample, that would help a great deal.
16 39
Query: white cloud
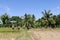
4 8
7 9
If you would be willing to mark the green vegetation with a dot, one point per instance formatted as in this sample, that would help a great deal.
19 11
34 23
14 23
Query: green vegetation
9 34
48 20
9 30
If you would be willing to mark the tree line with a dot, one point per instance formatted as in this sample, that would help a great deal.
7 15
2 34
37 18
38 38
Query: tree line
29 21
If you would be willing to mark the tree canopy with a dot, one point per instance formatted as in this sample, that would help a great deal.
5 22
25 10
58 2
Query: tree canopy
29 21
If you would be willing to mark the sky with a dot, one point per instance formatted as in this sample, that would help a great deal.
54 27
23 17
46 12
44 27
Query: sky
20 7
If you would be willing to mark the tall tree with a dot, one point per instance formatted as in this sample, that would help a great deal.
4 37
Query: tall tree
21 21
33 20
15 18
28 20
58 20
47 15
5 18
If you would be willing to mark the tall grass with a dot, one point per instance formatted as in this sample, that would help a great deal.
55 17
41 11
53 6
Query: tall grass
9 34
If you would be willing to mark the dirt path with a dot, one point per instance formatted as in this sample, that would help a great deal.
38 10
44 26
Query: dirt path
34 35
45 35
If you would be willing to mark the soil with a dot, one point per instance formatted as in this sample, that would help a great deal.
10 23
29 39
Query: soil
45 34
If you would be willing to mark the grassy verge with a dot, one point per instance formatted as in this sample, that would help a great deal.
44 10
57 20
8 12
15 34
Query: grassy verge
24 35
44 29
9 34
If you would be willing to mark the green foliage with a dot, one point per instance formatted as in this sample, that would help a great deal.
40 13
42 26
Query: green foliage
5 18
29 21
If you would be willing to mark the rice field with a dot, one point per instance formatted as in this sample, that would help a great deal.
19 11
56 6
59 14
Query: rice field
32 34
9 34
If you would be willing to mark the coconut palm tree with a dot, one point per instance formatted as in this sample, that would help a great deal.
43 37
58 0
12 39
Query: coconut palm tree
33 20
28 20
47 15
